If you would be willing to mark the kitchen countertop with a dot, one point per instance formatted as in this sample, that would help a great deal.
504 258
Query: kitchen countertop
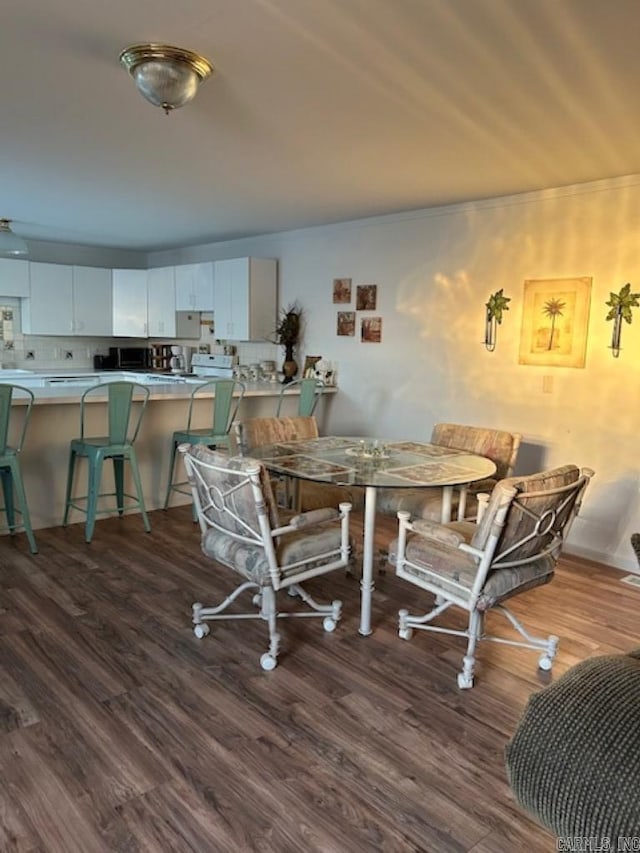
64 387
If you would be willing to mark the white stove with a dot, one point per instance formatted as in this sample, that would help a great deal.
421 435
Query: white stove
204 364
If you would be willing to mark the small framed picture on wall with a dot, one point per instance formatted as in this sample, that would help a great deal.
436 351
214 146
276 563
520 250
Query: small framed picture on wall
346 325
371 330
341 291
366 297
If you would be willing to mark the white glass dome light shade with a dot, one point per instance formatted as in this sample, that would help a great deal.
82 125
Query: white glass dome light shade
166 76
10 244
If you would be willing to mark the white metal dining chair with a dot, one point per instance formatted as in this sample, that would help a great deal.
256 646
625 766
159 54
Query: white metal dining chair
477 567
241 530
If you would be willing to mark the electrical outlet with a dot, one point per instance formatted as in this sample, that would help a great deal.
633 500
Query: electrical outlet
68 354
547 384
30 355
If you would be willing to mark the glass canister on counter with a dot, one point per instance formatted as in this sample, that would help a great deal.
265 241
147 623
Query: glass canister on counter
268 370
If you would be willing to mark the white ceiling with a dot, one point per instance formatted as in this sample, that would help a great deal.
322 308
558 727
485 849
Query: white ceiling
319 111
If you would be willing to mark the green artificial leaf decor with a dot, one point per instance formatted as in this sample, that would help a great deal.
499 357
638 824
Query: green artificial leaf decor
622 303
496 305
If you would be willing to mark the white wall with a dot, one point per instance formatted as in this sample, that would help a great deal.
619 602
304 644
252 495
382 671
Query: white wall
435 269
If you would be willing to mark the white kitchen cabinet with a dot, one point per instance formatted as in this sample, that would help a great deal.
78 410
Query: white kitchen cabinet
14 277
161 302
129 303
92 302
66 300
195 287
49 308
245 299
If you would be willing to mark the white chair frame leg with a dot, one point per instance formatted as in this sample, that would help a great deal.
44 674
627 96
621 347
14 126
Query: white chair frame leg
475 633
268 611
265 599
548 645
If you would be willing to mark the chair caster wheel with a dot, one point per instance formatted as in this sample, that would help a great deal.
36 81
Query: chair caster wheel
465 682
545 663
405 633
329 624
201 630
268 662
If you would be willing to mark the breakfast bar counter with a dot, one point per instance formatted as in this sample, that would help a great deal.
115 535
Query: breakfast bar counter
55 420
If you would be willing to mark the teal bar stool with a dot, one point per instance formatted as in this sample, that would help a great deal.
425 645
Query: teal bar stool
16 403
123 418
310 391
228 394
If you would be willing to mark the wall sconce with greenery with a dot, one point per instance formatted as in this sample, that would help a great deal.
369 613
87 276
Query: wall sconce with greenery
495 306
620 305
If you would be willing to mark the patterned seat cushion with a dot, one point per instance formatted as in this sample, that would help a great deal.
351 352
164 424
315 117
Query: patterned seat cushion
246 555
495 444
256 432
501 584
454 569
241 502
498 445
425 552
425 555
250 560
427 503
518 523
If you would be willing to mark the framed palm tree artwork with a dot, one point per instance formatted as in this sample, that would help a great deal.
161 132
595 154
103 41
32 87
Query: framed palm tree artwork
555 319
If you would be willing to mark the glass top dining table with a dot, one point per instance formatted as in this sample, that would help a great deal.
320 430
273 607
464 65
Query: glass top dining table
373 464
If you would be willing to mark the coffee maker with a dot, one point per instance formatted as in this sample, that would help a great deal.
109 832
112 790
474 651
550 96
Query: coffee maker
178 360
161 358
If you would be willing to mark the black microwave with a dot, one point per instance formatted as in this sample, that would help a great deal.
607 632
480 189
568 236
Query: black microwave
129 358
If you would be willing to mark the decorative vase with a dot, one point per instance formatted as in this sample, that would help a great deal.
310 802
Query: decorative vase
290 365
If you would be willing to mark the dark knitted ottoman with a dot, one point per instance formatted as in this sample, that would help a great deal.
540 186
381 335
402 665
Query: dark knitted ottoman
574 760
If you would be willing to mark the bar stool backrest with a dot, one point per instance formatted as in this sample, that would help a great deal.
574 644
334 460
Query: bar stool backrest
228 396
13 419
123 419
310 391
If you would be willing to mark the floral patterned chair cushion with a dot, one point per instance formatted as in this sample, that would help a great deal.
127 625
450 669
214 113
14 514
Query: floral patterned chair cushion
498 445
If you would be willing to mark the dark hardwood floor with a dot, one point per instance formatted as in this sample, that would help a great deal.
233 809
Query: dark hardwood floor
120 731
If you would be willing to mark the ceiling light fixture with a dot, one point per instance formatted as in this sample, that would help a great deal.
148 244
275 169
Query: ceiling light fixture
166 76
10 243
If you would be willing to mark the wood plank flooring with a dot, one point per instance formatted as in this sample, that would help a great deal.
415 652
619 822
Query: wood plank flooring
120 731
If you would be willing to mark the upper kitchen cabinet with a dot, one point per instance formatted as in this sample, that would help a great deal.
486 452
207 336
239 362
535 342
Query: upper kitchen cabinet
195 287
144 303
161 302
130 303
14 277
92 302
245 299
49 309
66 300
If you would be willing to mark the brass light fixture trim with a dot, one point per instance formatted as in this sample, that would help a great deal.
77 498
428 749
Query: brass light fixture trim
166 76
